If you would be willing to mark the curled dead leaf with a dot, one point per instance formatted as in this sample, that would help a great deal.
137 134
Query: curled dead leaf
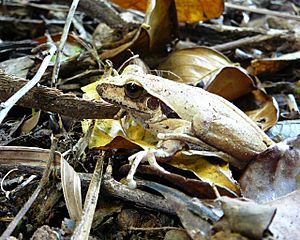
194 64
230 82
260 107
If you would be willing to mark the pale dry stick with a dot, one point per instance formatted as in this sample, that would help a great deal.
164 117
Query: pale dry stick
263 11
83 228
11 227
155 228
63 40
245 41
6 106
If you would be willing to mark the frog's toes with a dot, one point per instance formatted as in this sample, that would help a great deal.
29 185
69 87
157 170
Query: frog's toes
131 183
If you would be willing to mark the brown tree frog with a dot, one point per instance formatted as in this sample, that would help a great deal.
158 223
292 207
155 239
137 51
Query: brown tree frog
179 114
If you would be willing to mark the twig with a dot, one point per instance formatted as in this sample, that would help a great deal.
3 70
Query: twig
63 40
37 21
245 42
155 228
263 11
136 196
32 198
53 100
6 106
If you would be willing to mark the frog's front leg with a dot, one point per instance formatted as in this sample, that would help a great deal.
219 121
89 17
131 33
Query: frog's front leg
164 149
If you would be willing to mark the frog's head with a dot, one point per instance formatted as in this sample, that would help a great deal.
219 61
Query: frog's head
130 91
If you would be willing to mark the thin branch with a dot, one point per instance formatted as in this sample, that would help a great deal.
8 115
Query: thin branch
63 40
263 11
53 100
244 42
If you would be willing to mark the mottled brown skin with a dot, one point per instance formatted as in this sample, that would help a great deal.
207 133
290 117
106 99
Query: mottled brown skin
163 106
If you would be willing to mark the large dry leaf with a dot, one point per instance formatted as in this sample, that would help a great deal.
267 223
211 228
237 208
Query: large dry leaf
210 68
286 223
230 82
193 10
195 64
247 218
107 130
161 17
273 173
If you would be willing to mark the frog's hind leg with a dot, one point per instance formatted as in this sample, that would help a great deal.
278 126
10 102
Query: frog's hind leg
145 155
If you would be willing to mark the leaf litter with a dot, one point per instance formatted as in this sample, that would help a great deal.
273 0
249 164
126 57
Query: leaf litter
252 61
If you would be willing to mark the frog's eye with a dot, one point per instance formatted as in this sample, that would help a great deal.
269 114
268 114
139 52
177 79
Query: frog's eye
133 90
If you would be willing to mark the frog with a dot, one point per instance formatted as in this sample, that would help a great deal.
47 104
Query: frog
180 114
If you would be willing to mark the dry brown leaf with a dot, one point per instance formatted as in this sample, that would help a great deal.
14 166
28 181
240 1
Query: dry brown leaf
247 218
286 223
272 65
230 83
193 10
31 123
195 64
274 172
260 107
267 115
213 172
161 17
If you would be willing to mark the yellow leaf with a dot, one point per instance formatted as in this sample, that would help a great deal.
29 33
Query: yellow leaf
213 172
106 130
90 92
189 10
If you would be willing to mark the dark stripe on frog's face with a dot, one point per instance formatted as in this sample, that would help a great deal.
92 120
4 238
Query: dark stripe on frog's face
166 110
